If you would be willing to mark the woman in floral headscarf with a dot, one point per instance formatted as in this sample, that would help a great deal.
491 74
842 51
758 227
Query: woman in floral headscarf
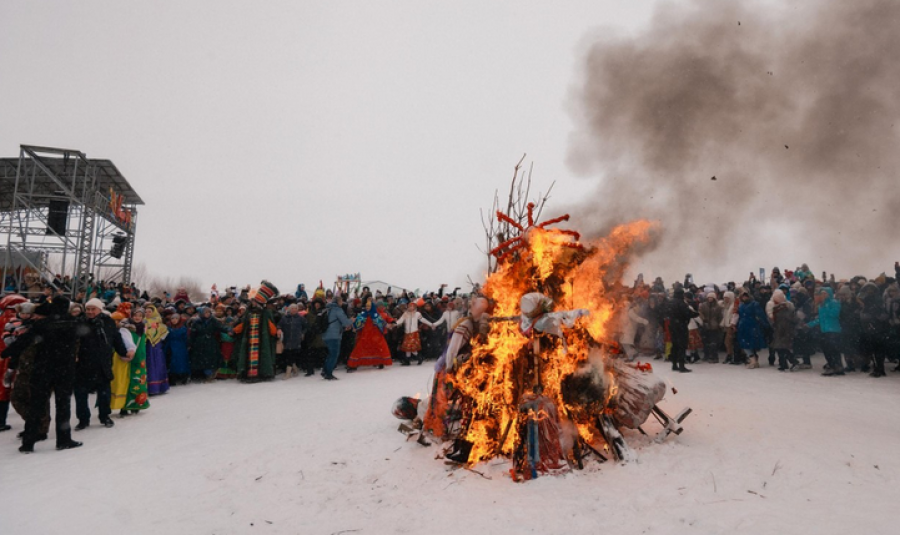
157 372
371 349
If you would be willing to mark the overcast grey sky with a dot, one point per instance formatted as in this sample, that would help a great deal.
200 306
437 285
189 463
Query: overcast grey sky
297 140
294 140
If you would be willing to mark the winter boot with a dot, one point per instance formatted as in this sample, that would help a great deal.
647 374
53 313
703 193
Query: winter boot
753 362
683 369
4 411
288 372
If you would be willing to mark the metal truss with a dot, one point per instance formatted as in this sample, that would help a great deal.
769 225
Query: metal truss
38 249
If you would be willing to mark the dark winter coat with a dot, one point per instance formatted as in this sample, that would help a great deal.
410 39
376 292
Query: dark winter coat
873 317
679 314
293 328
204 344
100 337
785 326
56 346
711 314
850 322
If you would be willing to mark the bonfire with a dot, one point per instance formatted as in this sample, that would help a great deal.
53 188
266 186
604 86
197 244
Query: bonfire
546 386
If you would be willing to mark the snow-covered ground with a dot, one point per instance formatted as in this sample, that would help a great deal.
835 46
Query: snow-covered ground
763 452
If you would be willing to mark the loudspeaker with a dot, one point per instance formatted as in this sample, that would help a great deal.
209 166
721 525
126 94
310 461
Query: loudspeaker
58 217
118 247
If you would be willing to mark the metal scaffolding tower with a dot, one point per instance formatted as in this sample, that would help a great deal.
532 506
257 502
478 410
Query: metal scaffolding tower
61 216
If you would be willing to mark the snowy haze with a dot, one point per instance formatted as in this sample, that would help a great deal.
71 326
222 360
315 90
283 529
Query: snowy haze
297 140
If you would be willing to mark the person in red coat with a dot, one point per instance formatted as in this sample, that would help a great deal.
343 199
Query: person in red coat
371 349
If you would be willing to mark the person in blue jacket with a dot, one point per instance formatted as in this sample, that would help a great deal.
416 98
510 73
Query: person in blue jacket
829 323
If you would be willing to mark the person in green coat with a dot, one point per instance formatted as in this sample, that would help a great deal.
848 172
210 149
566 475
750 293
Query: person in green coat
255 350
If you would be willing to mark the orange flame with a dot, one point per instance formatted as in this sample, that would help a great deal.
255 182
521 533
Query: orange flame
506 365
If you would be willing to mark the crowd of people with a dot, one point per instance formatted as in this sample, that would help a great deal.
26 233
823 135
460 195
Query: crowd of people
123 346
854 322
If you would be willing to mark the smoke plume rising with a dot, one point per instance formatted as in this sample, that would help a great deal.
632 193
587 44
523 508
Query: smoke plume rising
758 135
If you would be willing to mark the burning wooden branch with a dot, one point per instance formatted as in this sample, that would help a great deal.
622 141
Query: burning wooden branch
544 375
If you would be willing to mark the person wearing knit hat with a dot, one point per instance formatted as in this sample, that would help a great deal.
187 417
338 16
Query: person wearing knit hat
99 343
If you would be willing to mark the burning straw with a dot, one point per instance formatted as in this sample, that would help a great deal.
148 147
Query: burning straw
547 362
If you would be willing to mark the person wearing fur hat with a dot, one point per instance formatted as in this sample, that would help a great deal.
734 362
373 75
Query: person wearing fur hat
100 340
711 315
784 325
55 338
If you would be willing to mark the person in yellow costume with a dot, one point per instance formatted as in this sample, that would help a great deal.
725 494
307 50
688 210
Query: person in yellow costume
121 364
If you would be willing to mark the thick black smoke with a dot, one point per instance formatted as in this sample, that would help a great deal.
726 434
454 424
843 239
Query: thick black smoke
755 134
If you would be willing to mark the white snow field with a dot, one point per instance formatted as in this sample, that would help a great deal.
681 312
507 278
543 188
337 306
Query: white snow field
763 452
